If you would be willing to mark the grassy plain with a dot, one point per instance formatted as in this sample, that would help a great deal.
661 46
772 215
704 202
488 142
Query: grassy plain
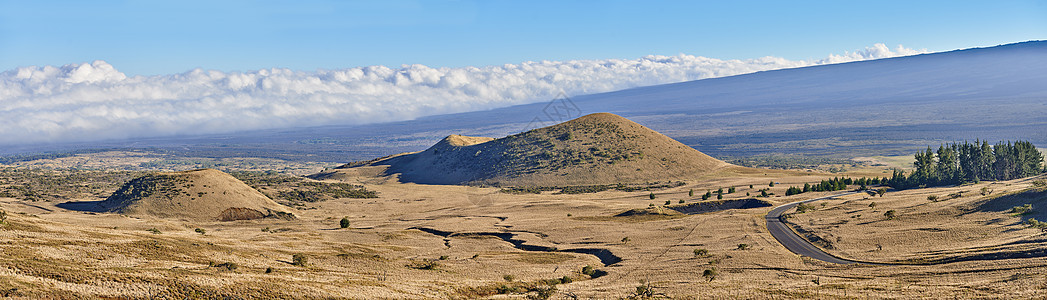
434 241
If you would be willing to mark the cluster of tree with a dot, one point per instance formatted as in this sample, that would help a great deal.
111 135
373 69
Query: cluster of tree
834 184
971 162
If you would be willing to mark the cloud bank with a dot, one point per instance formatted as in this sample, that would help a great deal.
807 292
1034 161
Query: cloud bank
95 101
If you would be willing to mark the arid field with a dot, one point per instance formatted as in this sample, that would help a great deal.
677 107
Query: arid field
446 241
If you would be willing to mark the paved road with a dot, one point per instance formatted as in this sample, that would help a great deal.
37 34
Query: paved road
788 238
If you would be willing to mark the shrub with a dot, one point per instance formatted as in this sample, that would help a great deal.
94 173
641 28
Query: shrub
710 273
804 207
625 240
443 257
719 196
154 230
730 190
3 217
1040 183
268 270
565 279
890 214
1022 210
932 198
588 270
986 191
700 252
771 184
881 191
667 202
509 278
744 246
681 201
652 196
690 193
231 266
872 204
299 259
200 231
344 223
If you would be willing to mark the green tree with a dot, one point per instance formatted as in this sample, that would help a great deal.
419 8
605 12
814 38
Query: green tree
690 193
652 196
344 223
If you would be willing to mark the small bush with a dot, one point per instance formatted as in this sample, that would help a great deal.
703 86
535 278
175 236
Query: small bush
700 252
872 205
268 270
986 191
690 193
625 240
344 223
932 198
890 214
3 217
652 196
710 274
443 257
681 201
201 231
154 230
299 259
744 246
667 202
509 278
804 207
1021 210
565 279
588 270
231 266
1040 183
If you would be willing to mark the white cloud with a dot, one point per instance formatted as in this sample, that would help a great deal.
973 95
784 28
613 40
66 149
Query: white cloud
83 102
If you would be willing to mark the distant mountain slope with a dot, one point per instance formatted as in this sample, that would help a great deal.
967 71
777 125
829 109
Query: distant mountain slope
885 106
198 195
598 148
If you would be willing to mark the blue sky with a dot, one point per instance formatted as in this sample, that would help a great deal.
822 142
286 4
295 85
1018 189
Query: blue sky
163 37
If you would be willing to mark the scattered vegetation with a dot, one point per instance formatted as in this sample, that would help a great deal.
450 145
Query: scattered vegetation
785 161
344 223
744 246
1033 223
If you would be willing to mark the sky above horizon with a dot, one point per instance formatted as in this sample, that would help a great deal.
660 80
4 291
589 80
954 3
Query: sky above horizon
164 37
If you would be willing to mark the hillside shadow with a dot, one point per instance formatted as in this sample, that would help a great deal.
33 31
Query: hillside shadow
83 206
1004 204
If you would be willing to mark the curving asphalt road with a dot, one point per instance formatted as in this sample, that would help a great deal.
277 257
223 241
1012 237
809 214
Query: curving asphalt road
792 241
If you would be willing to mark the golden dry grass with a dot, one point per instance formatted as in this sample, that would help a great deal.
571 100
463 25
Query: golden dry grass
62 253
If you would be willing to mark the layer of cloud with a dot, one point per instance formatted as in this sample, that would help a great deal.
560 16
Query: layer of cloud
95 101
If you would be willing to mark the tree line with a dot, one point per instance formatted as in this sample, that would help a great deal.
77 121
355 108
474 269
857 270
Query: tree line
971 162
834 184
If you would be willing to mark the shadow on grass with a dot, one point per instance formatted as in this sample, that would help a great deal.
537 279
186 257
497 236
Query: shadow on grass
83 206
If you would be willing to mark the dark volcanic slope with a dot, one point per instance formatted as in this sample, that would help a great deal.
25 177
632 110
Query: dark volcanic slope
599 148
